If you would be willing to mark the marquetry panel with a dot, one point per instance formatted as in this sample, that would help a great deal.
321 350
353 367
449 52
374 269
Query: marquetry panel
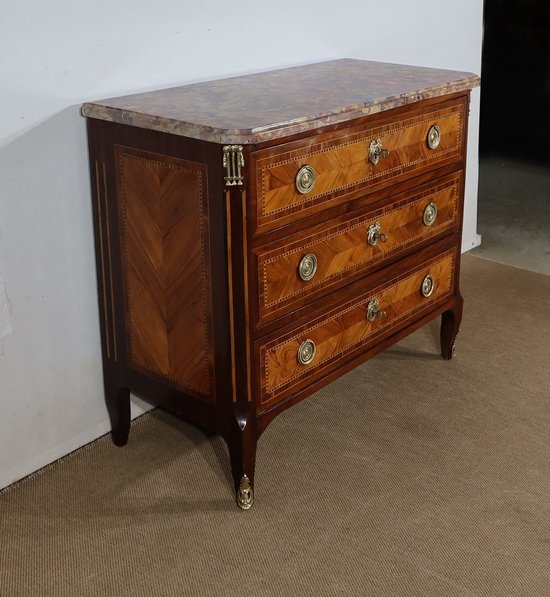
342 249
341 162
164 239
346 330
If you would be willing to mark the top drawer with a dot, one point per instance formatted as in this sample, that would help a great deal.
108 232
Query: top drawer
301 178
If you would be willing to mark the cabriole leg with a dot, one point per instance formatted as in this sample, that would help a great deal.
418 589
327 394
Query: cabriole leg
450 325
242 450
118 405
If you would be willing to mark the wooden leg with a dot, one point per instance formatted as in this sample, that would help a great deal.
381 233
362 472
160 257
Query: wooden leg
118 405
242 443
450 324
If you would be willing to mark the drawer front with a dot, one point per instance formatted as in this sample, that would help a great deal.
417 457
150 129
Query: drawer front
307 176
301 356
310 264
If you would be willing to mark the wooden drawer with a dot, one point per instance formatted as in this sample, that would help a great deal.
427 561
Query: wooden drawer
341 162
341 332
341 248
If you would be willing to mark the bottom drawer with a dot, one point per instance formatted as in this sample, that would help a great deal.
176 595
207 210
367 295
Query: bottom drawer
302 355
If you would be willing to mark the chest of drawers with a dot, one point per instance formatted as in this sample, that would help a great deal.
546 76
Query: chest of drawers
257 237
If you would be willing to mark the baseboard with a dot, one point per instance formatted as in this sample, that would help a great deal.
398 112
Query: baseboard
471 242
47 457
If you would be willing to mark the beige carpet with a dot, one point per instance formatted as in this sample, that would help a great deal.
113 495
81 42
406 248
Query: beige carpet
409 476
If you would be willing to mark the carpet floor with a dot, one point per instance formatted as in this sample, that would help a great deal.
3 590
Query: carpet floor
408 476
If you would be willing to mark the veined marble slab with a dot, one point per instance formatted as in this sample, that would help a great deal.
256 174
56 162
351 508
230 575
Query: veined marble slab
278 103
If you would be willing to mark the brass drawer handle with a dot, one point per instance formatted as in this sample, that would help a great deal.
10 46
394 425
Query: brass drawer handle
307 268
305 179
306 352
430 214
374 311
428 285
375 234
434 136
377 152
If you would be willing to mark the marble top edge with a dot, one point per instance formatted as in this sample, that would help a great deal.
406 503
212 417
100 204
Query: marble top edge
255 108
469 82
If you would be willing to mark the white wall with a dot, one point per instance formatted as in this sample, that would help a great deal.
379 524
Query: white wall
53 56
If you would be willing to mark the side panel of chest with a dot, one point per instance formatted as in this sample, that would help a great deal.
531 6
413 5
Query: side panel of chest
161 207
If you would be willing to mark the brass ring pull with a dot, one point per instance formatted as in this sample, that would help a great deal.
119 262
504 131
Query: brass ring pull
428 285
306 352
374 311
305 179
434 136
430 214
307 268
375 234
377 152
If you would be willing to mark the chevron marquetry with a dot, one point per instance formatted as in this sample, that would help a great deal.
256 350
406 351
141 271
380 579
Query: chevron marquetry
343 249
346 329
161 202
341 162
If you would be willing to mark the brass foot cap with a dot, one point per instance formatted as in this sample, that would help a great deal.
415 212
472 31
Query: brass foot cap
245 494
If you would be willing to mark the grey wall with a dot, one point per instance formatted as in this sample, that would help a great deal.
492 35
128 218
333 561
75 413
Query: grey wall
56 55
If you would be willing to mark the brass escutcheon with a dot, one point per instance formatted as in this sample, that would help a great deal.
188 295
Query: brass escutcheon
245 494
305 179
430 214
307 268
375 234
376 151
374 311
306 352
428 285
434 136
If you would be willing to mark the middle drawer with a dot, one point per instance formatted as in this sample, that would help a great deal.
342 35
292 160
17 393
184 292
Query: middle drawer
312 263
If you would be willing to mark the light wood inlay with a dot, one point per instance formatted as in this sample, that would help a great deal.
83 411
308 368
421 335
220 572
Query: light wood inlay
341 161
347 329
163 236
231 308
343 249
110 257
246 294
105 261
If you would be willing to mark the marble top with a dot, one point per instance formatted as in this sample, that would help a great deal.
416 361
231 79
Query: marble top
278 103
